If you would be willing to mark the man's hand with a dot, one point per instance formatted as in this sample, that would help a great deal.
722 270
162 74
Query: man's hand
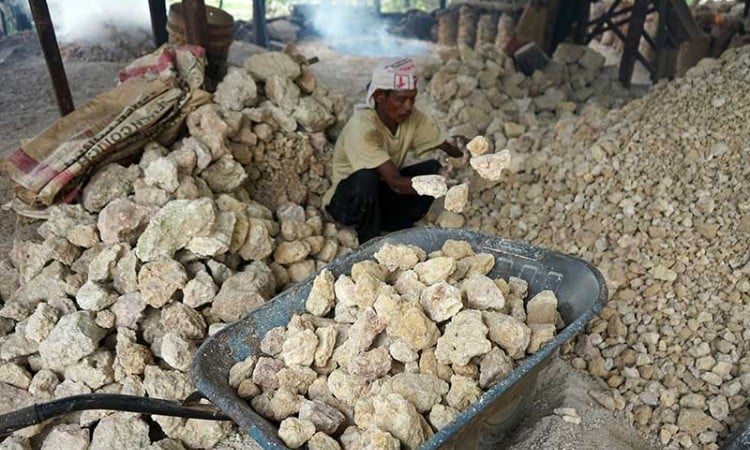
393 178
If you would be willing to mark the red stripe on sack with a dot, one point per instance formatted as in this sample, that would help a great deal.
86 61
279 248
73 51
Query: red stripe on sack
164 61
22 161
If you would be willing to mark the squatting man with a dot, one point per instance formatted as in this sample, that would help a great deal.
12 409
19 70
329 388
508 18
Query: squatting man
371 189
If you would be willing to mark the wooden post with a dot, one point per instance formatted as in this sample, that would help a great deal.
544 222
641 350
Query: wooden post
260 29
582 22
48 41
633 39
158 10
443 3
196 24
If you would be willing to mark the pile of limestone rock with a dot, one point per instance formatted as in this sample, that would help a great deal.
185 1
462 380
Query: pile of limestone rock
481 92
392 352
656 195
120 289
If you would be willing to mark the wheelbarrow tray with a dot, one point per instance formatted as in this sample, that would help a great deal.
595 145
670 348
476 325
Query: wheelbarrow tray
579 287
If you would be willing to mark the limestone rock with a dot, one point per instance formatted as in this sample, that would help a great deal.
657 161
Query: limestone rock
370 365
403 257
360 336
263 66
258 244
322 296
224 175
282 92
243 292
199 291
312 115
173 227
423 390
159 280
493 367
291 252
120 430
441 415
128 310
490 167
540 335
15 375
478 146
299 347
542 308
265 372
510 334
76 335
441 301
430 185
166 384
277 404
130 358
321 441
67 436
124 275
326 342
456 198
218 240
413 327
295 432
482 293
435 270
94 297
463 339
345 387
463 392
326 418
162 173
396 415
183 320
41 322
273 341
177 351
236 91
111 182
241 371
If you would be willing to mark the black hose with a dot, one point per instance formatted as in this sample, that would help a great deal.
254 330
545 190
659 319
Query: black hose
40 412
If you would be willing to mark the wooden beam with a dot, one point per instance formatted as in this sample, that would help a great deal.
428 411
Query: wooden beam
51 51
581 29
196 22
158 10
260 27
630 52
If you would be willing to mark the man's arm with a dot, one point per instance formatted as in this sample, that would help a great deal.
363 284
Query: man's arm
393 178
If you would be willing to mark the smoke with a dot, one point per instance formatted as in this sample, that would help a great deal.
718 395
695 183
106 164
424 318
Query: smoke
89 21
358 31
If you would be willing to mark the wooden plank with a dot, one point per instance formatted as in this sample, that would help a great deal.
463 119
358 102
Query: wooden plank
260 26
601 21
158 10
51 51
630 53
196 23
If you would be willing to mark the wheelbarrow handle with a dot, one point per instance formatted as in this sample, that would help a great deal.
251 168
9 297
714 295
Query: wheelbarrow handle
34 414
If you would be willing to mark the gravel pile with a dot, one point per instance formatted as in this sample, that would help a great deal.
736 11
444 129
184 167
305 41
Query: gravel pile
656 195
121 289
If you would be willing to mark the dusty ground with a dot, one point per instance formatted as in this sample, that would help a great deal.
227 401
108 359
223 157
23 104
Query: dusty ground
27 107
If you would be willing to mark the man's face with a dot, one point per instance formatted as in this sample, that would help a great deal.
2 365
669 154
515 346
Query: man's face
396 105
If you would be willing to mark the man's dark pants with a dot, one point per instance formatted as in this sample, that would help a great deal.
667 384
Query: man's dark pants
366 202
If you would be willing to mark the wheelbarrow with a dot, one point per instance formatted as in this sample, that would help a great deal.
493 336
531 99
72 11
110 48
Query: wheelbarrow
578 285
